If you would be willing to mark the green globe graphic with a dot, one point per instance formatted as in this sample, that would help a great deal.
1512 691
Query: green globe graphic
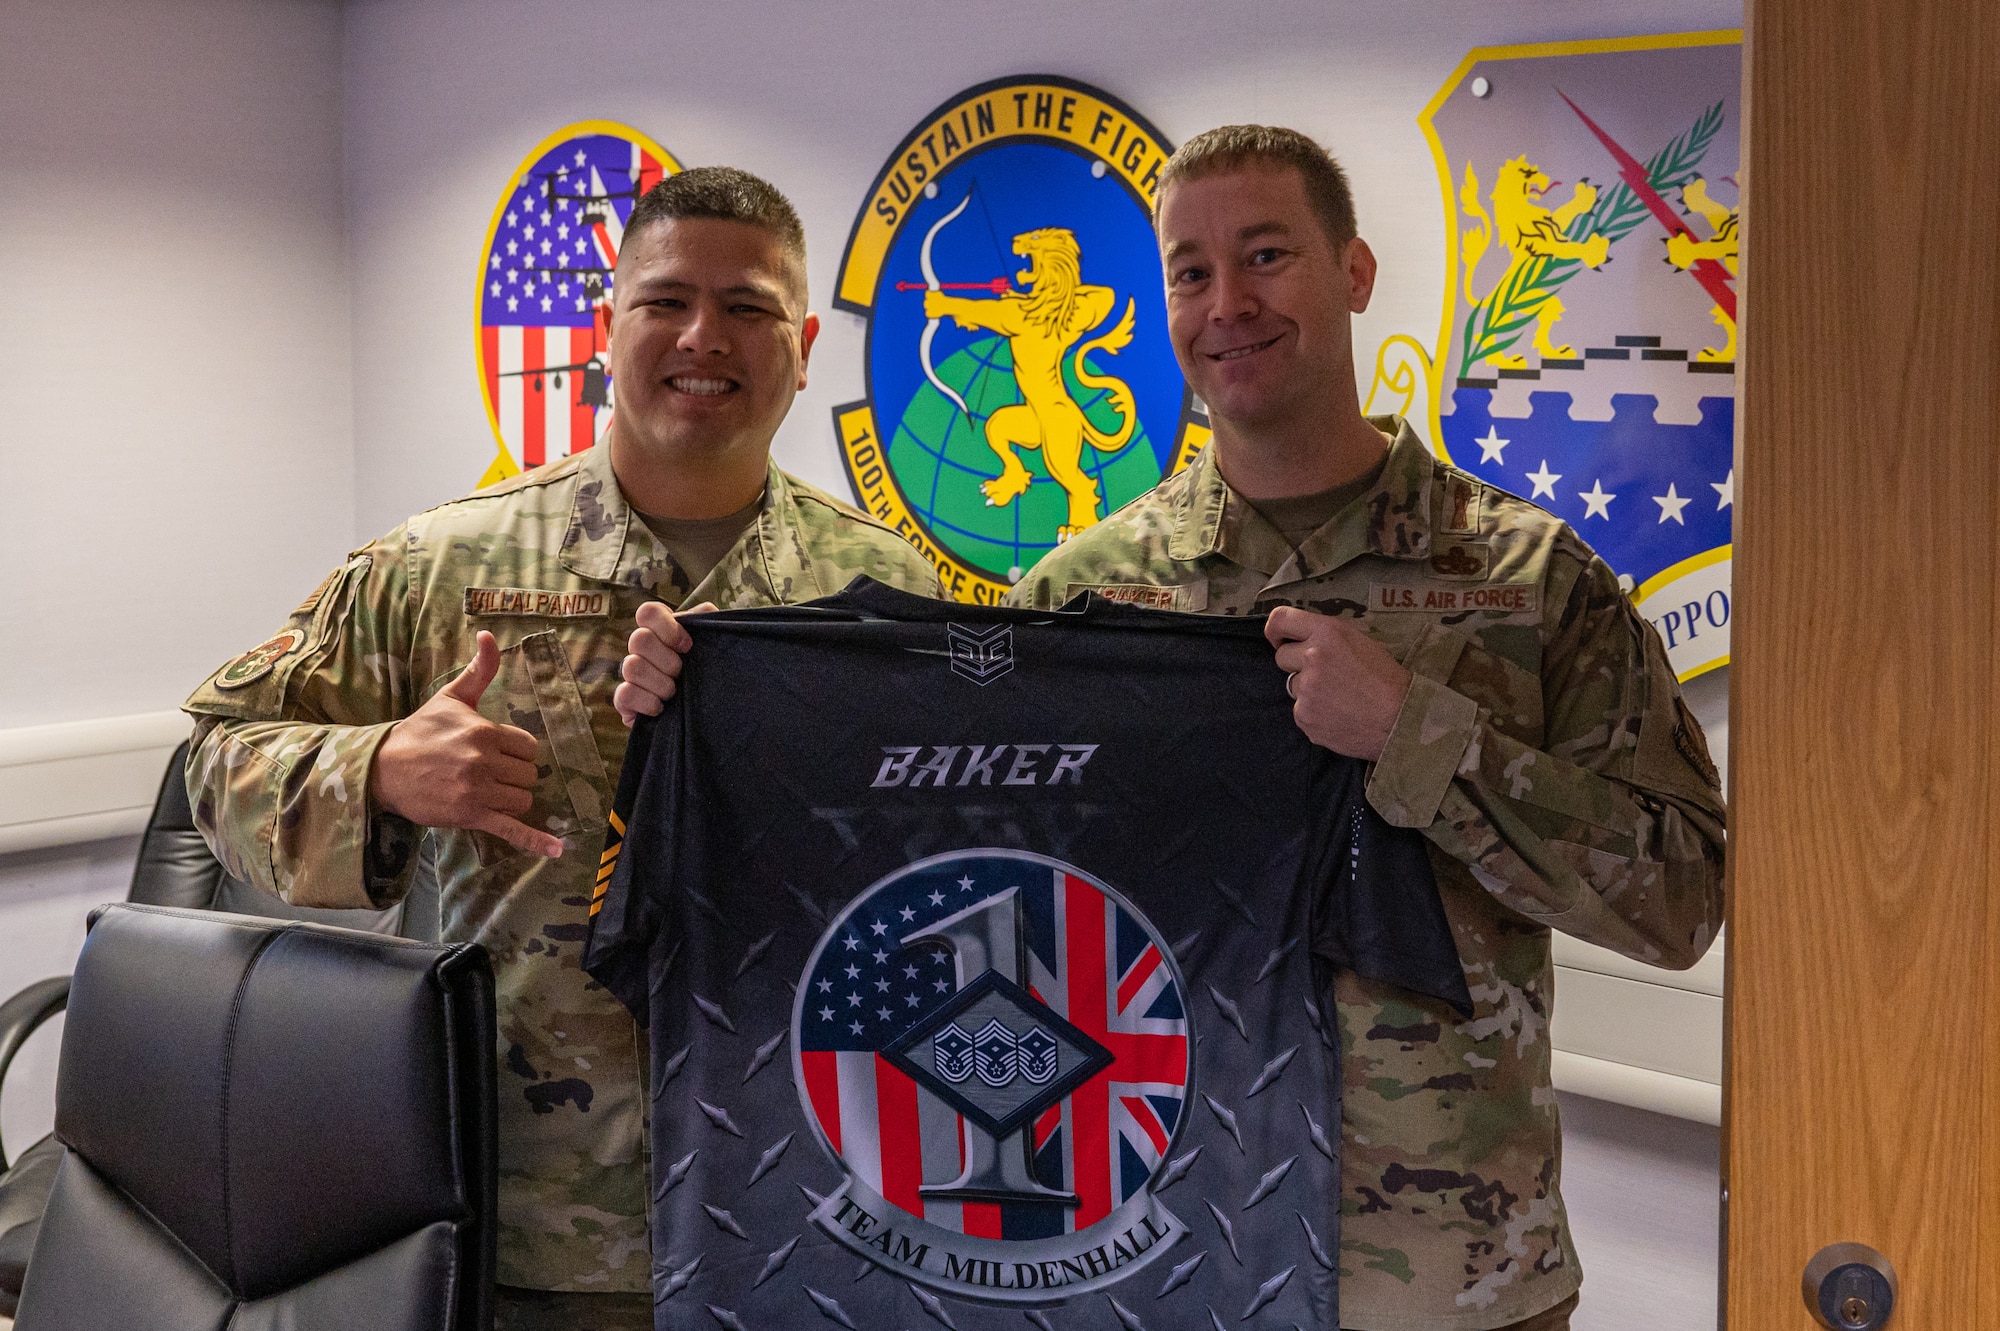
940 458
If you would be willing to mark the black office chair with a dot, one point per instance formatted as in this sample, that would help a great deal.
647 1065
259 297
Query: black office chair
174 868
269 1124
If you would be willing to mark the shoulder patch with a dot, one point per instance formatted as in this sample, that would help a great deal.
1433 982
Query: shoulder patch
260 660
1693 745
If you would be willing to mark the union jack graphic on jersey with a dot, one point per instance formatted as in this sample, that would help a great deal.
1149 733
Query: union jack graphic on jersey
1090 978
545 290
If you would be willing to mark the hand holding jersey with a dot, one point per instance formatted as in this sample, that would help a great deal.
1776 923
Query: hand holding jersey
653 661
1346 688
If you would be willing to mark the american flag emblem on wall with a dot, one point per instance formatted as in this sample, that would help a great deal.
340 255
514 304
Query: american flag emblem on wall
545 281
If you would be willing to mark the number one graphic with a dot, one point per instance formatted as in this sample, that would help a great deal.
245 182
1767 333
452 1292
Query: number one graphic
989 937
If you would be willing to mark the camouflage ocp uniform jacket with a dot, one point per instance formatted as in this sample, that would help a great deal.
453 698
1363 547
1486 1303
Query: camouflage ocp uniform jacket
556 565
1545 752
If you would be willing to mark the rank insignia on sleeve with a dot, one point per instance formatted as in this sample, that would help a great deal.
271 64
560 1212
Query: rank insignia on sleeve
259 661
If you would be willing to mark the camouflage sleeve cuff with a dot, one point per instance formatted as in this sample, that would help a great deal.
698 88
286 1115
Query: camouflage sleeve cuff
1430 736
326 852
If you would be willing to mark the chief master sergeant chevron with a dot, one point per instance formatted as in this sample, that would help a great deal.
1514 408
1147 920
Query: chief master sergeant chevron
463 674
1472 648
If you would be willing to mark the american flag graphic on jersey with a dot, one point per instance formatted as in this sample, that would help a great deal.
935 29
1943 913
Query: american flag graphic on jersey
545 289
887 1041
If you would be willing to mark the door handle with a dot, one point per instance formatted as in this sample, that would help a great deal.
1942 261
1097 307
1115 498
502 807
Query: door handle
1850 1287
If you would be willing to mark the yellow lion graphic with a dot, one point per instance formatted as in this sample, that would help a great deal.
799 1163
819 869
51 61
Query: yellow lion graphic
1528 230
1040 325
1684 251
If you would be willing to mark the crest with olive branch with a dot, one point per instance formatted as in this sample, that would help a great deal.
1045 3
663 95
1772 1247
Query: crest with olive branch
1495 323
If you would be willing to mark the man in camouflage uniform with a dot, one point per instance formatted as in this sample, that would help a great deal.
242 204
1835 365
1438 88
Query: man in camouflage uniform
1515 708
321 757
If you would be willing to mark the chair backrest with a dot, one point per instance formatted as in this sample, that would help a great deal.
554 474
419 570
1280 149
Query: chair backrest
176 868
269 1124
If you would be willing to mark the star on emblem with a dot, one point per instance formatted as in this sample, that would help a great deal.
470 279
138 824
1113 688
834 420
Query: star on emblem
1545 481
1491 446
1596 503
826 986
1725 491
853 972
937 898
1671 505
878 928
939 985
854 1026
880 956
907 913
882 985
909 972
826 1014
852 942
965 883
884 1013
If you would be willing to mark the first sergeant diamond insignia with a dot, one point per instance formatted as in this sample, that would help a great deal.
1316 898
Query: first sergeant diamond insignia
998 1055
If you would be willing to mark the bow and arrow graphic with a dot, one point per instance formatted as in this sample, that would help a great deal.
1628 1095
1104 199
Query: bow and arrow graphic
999 286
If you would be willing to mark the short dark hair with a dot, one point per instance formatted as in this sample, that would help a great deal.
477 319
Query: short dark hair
1232 147
728 195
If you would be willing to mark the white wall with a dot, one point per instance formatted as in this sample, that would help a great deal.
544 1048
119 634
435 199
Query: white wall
174 374
444 98
175 424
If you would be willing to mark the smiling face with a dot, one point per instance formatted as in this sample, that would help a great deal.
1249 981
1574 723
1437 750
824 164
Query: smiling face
709 341
1260 299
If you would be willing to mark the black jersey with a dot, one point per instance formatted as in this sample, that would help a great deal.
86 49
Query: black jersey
986 958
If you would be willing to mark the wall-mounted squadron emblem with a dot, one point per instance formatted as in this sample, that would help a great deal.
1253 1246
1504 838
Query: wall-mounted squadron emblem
1021 385
1586 355
994 1048
545 281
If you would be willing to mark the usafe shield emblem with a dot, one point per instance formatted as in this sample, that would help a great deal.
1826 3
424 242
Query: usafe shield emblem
1588 350
1020 381
994 1048
545 290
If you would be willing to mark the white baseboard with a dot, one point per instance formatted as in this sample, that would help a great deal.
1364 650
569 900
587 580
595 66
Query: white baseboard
1641 1088
1637 1035
83 780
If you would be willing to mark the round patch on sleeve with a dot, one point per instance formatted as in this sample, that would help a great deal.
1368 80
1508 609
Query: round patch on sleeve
256 663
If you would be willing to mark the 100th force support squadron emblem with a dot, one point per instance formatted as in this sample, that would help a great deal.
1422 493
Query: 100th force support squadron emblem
994 1048
1021 384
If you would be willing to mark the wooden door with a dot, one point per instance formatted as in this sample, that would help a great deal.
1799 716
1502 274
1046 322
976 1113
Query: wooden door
1863 1076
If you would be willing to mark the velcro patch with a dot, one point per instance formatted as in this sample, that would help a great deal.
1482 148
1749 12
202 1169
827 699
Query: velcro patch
1461 559
1188 596
531 601
256 663
1504 598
